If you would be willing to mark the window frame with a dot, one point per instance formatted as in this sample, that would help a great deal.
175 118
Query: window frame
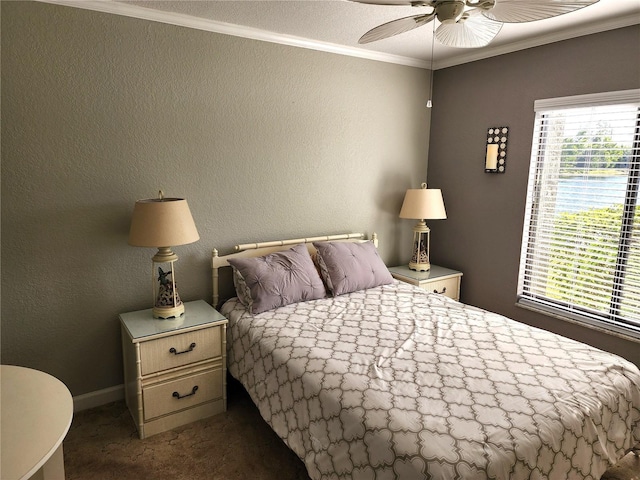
557 308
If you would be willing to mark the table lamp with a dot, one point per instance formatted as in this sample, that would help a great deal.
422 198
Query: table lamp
422 204
163 223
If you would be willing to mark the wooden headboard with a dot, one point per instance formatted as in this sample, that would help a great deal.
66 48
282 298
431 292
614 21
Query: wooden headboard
264 248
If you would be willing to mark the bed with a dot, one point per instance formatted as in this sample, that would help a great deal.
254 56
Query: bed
371 378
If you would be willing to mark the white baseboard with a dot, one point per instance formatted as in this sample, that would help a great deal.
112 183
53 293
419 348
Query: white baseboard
97 398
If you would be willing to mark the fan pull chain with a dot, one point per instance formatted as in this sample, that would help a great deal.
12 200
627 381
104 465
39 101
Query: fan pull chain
433 41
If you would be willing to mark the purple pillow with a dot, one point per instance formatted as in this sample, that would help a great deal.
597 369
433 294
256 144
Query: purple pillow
349 267
280 278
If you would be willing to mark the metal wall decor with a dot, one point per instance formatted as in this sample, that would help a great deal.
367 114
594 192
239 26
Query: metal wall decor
495 160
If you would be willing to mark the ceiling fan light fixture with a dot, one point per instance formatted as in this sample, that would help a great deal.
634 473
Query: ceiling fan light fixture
450 12
481 4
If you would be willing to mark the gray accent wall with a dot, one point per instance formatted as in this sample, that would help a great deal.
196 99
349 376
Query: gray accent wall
264 141
483 231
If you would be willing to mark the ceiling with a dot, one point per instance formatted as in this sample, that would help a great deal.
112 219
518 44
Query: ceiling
336 25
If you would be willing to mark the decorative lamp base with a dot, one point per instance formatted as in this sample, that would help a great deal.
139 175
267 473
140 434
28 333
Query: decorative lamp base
420 267
420 258
167 300
168 312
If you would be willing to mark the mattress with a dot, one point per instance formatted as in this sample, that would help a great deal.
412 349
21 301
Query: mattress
394 382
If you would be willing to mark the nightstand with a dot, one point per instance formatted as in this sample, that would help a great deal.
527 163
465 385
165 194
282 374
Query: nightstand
437 280
174 370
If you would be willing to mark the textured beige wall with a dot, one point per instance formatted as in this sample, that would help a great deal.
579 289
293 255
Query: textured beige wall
483 231
265 141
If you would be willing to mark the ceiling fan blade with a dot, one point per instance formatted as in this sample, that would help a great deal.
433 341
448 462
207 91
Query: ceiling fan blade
473 30
518 11
396 27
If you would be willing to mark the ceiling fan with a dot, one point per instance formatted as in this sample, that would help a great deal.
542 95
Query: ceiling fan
469 23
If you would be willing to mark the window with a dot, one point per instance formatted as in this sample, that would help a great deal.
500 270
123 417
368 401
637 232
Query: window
581 246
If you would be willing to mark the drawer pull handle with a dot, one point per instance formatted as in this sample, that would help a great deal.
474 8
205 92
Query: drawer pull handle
193 392
191 347
444 290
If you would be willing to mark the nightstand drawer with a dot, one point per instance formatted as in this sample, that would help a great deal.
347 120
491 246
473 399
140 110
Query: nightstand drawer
179 350
182 393
447 287
437 279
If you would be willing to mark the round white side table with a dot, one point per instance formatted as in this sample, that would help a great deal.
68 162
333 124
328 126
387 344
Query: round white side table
36 411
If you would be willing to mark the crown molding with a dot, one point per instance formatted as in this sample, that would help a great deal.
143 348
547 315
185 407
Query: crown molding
189 21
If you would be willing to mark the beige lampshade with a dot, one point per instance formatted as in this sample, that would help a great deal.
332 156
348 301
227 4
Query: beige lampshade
162 222
423 204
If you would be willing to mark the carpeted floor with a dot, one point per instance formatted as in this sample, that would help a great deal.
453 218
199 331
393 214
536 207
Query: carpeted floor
103 444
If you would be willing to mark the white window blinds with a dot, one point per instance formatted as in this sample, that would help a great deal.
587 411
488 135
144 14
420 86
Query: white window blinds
581 244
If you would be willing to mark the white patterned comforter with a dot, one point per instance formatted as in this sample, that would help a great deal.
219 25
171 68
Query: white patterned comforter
397 383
